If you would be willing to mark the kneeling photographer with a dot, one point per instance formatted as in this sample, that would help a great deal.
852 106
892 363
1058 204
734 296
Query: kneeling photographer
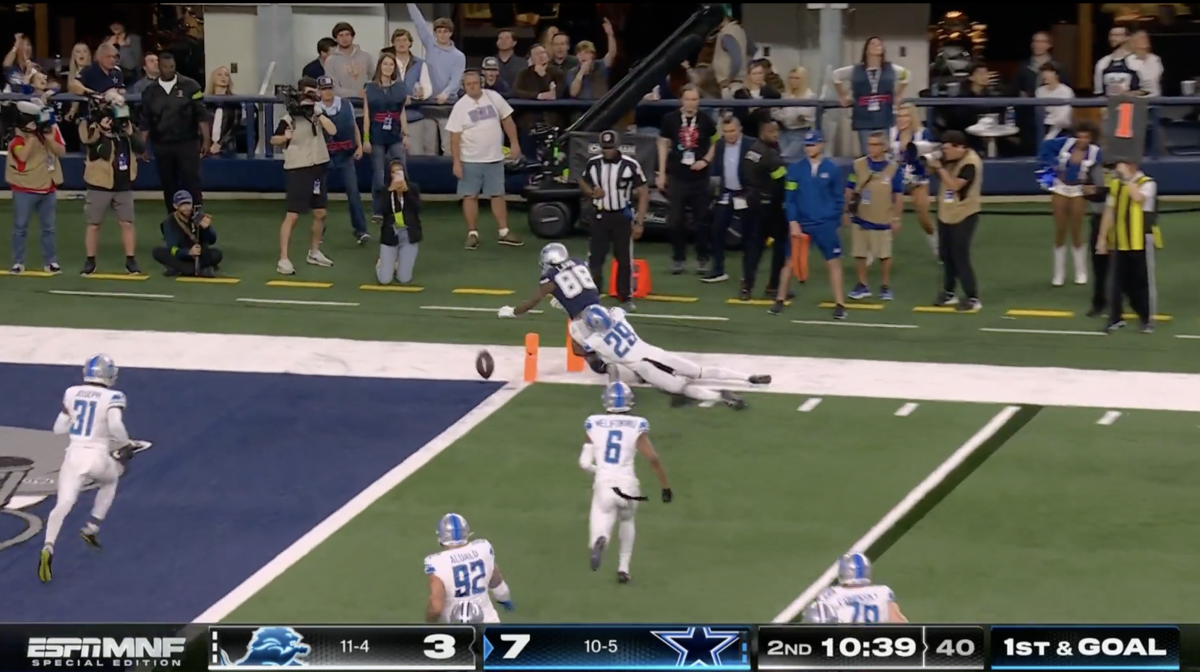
301 132
188 239
110 167
960 173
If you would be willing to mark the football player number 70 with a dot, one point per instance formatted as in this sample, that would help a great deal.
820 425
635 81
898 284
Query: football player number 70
1124 126
572 281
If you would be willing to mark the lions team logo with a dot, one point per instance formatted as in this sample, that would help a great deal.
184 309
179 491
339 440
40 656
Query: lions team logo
29 464
272 647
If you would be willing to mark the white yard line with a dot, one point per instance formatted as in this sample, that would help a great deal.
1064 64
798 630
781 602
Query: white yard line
906 410
470 309
847 323
902 509
690 318
297 302
1043 332
809 405
340 518
1109 418
113 295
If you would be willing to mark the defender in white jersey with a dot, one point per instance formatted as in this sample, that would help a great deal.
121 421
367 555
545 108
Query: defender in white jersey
465 572
856 600
607 335
613 441
93 417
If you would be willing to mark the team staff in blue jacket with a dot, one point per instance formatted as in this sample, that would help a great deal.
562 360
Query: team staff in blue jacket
814 202
345 149
188 241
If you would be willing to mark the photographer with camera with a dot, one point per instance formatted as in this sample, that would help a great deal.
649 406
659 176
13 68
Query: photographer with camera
302 132
176 124
960 172
188 239
33 172
111 149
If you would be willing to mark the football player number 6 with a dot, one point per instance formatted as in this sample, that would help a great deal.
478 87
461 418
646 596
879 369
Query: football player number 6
1124 129
572 281
442 646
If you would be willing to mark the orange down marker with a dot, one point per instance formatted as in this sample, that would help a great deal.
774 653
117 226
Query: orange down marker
531 357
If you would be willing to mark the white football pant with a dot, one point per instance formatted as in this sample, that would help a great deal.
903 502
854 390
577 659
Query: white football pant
81 466
686 374
607 508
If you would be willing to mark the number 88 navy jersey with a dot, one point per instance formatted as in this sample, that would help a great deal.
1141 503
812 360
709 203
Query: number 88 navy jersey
574 287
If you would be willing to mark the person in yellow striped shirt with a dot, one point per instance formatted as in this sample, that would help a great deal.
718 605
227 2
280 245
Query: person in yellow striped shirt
1129 235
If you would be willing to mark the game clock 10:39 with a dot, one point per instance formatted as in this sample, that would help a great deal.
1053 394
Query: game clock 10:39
802 647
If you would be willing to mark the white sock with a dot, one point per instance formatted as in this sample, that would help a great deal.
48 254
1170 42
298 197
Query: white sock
627 534
1060 261
503 232
1081 260
91 528
54 523
104 501
718 373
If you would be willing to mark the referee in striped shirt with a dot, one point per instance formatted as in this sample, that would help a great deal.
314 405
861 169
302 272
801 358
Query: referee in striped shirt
610 180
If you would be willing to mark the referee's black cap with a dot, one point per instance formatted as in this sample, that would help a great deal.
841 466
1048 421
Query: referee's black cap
609 140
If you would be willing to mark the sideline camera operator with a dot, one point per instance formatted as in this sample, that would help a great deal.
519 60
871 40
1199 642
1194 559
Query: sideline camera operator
960 172
110 167
176 123
33 172
188 239
301 133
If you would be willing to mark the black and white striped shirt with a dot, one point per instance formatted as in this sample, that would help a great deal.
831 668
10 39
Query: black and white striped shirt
617 179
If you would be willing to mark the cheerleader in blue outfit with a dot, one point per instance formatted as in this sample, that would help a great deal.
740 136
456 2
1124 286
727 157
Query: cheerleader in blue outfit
916 177
1066 162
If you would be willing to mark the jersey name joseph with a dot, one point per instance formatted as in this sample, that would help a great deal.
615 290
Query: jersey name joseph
466 572
88 407
614 441
574 287
860 604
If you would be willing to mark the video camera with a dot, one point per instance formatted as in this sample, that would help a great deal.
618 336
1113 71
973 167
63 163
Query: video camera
105 106
923 152
549 161
298 103
42 116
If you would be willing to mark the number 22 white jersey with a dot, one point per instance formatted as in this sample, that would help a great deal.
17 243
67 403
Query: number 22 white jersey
466 572
860 604
614 444
88 407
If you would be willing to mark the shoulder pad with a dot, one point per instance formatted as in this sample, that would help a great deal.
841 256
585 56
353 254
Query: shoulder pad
826 594
643 425
587 424
891 595
117 399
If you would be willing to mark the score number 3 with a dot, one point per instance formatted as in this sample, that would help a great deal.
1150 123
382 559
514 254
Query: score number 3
1124 125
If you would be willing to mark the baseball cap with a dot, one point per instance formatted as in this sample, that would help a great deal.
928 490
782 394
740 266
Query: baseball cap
182 196
325 82
609 140
813 137
491 63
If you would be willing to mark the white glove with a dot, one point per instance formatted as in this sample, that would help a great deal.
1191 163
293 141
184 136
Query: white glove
555 304
507 311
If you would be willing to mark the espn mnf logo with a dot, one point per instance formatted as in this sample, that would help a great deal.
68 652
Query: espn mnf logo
105 651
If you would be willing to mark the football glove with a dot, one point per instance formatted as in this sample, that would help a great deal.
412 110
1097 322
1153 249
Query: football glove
667 495
123 454
555 304
508 606
507 311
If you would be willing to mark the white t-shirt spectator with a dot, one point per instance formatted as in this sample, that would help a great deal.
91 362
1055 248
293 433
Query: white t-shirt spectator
1150 72
1058 117
479 123
793 118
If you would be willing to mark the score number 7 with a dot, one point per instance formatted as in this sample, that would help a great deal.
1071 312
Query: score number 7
519 642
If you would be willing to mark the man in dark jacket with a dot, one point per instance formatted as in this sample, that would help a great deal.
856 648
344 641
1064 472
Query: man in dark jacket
731 201
188 239
176 124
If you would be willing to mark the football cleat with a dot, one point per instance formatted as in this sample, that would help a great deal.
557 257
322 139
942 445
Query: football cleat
91 538
597 551
623 577
44 562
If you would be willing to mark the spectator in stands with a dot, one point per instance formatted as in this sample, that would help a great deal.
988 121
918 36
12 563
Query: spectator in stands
771 77
386 127
648 119
1058 118
305 170
1150 72
704 78
1029 78
560 52
129 50
478 124
588 80
109 171
19 59
101 75
188 240
540 81
795 120
345 149
414 72
348 66
511 65
731 199
685 152
491 77
226 116
33 172
1116 72
150 68
872 88
446 67
81 57
755 88
962 118
315 69
400 233
732 53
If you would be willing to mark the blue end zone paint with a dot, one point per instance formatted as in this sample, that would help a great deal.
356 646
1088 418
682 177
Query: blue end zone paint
242 466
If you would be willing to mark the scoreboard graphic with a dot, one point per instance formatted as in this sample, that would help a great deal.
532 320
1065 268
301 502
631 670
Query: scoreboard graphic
445 647
616 647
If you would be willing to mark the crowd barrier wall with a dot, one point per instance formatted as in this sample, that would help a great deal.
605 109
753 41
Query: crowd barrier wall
1175 174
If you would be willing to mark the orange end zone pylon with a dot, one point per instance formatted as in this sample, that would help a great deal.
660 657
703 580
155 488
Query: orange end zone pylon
531 357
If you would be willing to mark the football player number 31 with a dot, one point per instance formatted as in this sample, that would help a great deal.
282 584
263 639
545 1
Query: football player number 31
572 281
1124 129
85 418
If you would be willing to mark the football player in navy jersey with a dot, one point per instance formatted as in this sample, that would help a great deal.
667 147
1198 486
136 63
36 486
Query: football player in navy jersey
569 280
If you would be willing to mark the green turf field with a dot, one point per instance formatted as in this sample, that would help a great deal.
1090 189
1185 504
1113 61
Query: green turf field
1012 252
